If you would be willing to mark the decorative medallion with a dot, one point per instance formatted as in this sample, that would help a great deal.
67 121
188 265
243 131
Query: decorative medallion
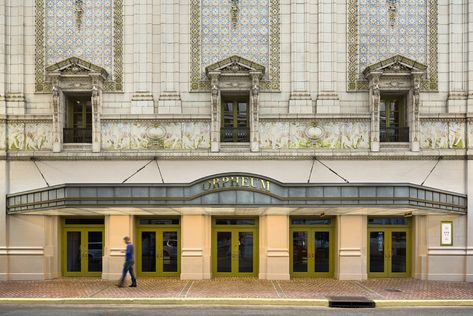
314 131
156 132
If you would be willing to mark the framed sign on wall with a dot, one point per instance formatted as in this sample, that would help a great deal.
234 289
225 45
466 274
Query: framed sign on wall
446 233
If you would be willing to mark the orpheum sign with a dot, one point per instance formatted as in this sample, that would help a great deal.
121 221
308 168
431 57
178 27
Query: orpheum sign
235 182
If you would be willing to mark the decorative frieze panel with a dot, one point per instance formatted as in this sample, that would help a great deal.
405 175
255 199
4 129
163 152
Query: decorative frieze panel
222 28
29 136
2 136
443 134
318 134
378 30
89 29
153 135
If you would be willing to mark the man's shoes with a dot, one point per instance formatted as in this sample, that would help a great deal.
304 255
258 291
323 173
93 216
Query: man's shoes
133 285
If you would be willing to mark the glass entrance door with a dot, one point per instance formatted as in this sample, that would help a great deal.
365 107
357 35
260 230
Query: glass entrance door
82 251
389 252
234 249
158 247
311 248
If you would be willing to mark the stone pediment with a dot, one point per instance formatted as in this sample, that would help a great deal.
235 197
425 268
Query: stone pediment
75 66
395 65
235 65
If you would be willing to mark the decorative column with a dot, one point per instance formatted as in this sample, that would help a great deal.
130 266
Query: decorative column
4 174
254 119
58 117
470 57
299 100
215 111
142 101
15 94
457 96
327 99
414 124
469 169
170 99
374 99
96 125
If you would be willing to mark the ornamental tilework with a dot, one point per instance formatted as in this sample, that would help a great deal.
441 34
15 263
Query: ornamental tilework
121 136
247 37
2 136
334 135
379 40
442 135
378 30
29 136
223 28
89 37
89 29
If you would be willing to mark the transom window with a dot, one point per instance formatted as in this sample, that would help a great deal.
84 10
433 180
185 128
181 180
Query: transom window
235 124
393 127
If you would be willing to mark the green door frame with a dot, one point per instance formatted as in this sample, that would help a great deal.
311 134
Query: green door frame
83 230
388 230
158 230
310 230
234 230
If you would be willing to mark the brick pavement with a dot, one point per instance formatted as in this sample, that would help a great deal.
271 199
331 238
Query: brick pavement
377 289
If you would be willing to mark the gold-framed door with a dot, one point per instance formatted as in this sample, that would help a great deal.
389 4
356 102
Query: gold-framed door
389 252
158 251
235 250
311 252
82 250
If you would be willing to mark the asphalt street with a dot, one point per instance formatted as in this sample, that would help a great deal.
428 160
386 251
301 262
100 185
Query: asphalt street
139 310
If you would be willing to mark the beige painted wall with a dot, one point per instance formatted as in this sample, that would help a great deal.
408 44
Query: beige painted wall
116 227
351 248
196 243
274 247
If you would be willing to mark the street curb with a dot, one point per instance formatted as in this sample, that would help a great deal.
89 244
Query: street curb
422 303
223 301
167 301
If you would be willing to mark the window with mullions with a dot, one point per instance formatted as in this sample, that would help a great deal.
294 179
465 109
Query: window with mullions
235 124
78 119
392 120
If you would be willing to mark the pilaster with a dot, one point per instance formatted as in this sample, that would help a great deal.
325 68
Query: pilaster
374 100
327 98
352 243
116 227
215 108
299 100
274 247
469 225
470 55
170 100
4 179
15 18
195 247
457 95
142 101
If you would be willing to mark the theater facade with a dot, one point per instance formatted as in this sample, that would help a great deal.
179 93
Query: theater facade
267 139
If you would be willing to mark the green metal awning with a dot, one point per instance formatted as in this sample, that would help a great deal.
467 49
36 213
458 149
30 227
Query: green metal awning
235 191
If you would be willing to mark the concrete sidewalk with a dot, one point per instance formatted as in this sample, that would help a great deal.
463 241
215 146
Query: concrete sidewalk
241 291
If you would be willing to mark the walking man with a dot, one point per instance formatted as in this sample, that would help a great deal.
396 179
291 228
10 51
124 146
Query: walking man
129 261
